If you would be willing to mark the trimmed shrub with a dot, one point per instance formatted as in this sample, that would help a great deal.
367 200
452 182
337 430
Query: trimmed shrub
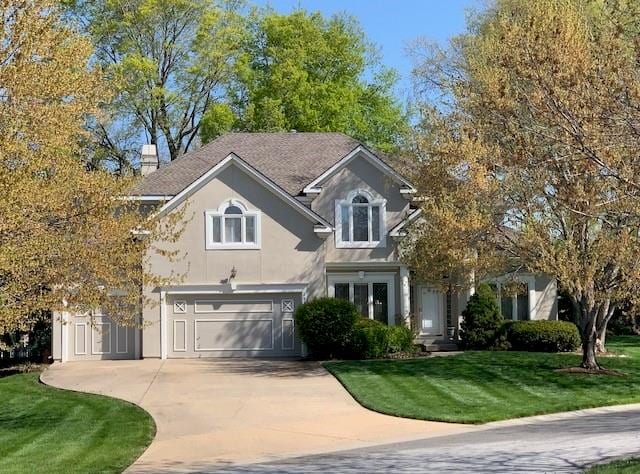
326 326
400 339
370 339
543 336
482 320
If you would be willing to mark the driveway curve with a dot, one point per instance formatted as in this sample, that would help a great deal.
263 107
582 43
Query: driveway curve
218 413
560 443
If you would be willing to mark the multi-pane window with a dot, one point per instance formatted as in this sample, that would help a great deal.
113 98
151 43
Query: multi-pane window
359 220
232 226
372 298
512 306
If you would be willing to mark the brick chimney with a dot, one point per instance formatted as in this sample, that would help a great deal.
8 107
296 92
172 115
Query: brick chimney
149 160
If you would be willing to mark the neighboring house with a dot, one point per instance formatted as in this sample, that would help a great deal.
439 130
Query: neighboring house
278 219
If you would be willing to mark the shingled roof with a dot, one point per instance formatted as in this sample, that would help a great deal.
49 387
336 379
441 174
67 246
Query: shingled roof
291 160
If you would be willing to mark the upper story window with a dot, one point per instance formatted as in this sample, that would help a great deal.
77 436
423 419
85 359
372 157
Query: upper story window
232 226
360 221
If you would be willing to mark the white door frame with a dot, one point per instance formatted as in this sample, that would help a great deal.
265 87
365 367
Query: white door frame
443 310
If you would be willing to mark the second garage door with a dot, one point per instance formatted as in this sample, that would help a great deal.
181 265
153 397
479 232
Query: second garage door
247 325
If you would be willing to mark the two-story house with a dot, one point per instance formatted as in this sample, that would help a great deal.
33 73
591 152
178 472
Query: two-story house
275 220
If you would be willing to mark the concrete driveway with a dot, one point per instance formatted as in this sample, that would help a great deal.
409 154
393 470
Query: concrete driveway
216 413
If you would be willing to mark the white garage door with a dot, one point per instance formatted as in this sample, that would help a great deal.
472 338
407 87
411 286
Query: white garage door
98 337
248 325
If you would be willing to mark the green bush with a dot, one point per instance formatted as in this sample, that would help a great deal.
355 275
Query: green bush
543 336
326 326
370 339
482 320
400 339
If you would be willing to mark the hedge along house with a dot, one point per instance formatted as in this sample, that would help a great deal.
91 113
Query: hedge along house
278 218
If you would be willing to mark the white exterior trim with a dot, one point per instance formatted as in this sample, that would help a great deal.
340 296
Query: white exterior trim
75 339
293 337
163 324
262 179
148 197
208 219
93 338
126 340
244 288
196 302
376 201
315 188
397 230
527 278
370 278
186 330
195 329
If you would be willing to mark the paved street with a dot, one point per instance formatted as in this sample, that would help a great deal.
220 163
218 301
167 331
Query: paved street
563 443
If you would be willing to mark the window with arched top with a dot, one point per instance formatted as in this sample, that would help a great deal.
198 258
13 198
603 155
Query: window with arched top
360 221
232 226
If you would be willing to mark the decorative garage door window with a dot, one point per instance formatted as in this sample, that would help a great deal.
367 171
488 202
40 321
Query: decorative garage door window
232 226
180 307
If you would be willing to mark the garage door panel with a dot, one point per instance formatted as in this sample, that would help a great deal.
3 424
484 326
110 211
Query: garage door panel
242 325
180 335
225 306
99 337
233 334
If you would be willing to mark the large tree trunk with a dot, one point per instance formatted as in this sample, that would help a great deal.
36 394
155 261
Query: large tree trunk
601 328
589 346
589 317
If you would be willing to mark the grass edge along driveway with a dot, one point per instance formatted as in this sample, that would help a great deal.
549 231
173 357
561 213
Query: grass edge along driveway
45 429
622 466
479 387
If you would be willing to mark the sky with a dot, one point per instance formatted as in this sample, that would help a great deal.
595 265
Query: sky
393 24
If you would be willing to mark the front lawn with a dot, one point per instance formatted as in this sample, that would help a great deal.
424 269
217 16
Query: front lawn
43 429
625 466
477 387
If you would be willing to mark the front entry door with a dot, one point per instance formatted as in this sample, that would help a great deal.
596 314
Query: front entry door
432 311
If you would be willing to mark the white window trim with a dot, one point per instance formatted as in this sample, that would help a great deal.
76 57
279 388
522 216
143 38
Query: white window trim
381 203
530 280
210 214
370 278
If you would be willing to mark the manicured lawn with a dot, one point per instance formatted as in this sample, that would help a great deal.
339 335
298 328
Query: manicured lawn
625 466
43 429
477 387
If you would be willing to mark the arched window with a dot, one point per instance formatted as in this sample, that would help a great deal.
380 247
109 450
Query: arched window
232 226
359 219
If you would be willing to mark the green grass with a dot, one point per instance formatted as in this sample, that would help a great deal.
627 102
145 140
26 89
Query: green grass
477 387
43 429
625 466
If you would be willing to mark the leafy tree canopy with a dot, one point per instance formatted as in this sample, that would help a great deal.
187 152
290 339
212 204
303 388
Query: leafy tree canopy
305 72
66 241
530 159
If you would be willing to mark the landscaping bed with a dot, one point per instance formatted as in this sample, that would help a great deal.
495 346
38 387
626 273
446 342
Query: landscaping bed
483 386
44 429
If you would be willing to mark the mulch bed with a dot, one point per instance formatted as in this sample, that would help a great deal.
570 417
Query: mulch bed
20 369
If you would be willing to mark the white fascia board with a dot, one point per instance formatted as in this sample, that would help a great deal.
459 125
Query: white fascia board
147 197
315 188
251 171
240 288
397 230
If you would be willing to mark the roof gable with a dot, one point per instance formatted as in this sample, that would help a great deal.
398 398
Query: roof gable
292 160
315 186
322 226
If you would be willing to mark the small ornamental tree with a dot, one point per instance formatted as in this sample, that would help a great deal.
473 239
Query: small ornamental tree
482 320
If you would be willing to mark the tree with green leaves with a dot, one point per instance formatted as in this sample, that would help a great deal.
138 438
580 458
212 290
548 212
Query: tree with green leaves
531 162
67 242
168 62
304 72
